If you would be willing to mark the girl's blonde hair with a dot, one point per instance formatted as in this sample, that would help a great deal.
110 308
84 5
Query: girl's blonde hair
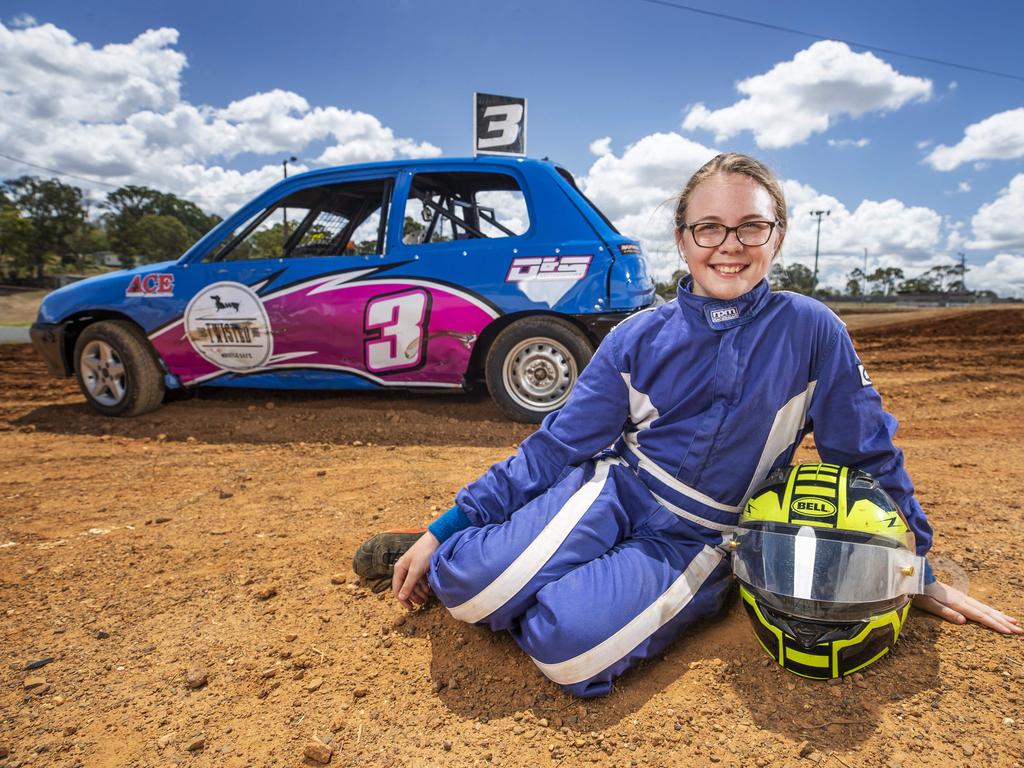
732 162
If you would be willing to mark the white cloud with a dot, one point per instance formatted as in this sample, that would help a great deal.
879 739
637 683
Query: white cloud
846 143
1000 224
955 239
963 186
894 234
1004 274
601 147
804 96
924 144
997 137
636 191
49 76
23 20
116 113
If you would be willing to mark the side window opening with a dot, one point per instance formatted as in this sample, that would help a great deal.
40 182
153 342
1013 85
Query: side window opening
331 220
463 206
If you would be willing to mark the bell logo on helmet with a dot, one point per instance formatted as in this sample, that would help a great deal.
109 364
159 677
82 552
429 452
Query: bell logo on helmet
814 507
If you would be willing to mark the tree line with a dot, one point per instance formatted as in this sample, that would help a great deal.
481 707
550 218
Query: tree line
943 280
45 225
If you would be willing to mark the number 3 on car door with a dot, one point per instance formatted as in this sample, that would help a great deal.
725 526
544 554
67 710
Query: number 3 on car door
395 328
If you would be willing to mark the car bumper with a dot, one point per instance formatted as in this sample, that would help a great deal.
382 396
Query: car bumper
48 341
600 325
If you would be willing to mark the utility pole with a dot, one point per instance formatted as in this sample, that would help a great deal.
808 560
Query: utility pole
284 167
817 243
963 272
864 276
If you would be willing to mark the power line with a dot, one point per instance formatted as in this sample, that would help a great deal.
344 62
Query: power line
814 35
229 196
58 172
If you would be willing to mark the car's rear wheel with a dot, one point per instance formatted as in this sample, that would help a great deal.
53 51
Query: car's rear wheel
533 364
117 370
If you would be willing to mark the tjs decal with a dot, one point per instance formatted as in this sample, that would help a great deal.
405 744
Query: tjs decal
394 325
158 284
537 268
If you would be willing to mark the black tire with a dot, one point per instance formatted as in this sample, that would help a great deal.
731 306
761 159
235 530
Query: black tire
117 369
533 364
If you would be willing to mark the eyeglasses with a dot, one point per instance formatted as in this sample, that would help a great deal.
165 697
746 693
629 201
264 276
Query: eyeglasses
750 233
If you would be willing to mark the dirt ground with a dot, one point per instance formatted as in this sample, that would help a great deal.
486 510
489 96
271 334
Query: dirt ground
209 544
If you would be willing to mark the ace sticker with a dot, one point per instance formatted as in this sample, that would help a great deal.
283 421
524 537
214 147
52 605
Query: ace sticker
158 284
865 380
227 324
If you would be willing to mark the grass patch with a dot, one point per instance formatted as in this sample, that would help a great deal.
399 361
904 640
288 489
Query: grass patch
20 307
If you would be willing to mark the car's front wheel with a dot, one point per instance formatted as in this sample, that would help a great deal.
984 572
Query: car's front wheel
117 370
533 364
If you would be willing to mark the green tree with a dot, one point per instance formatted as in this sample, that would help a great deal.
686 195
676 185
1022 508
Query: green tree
412 231
949 278
15 242
855 282
795 277
266 243
921 284
56 213
127 205
883 281
89 238
668 289
157 238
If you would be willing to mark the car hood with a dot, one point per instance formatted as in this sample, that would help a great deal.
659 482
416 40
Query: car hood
97 292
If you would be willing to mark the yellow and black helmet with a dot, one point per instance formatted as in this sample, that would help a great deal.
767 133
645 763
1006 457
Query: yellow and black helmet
827 565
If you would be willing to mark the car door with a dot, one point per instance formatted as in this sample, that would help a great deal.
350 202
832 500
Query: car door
264 307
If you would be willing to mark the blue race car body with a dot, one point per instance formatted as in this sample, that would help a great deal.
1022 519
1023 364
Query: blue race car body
397 274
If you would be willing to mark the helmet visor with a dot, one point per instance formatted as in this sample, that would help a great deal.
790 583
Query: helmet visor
810 564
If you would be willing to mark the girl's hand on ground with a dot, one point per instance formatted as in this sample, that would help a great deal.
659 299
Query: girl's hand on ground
410 580
957 607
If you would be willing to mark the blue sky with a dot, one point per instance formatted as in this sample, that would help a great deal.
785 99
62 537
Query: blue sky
849 130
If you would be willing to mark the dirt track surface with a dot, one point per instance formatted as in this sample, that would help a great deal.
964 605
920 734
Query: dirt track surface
215 536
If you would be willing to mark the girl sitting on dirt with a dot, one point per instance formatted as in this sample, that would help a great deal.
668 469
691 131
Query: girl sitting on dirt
594 558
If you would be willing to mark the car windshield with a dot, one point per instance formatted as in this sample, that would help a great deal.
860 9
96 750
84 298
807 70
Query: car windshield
329 220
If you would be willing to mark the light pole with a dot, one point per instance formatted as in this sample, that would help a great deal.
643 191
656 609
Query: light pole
817 243
284 167
864 276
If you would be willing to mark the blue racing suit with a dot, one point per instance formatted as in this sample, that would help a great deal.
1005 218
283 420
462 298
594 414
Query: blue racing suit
600 540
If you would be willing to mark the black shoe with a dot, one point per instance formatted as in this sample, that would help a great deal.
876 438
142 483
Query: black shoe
376 557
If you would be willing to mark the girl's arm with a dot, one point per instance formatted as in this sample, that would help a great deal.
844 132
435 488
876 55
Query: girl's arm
851 428
590 421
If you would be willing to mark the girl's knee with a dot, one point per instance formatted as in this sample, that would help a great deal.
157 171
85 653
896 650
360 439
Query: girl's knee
461 572
564 648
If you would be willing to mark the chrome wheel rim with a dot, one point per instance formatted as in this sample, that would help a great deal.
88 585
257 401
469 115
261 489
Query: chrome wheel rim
103 373
539 373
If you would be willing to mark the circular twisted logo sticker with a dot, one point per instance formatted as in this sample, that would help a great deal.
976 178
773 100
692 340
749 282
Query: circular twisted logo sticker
228 325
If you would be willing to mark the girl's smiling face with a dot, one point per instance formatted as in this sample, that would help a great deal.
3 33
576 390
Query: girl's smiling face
731 269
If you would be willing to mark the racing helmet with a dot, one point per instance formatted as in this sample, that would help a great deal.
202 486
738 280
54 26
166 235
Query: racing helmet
827 565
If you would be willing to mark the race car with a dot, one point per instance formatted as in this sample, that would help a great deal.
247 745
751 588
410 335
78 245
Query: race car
414 274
